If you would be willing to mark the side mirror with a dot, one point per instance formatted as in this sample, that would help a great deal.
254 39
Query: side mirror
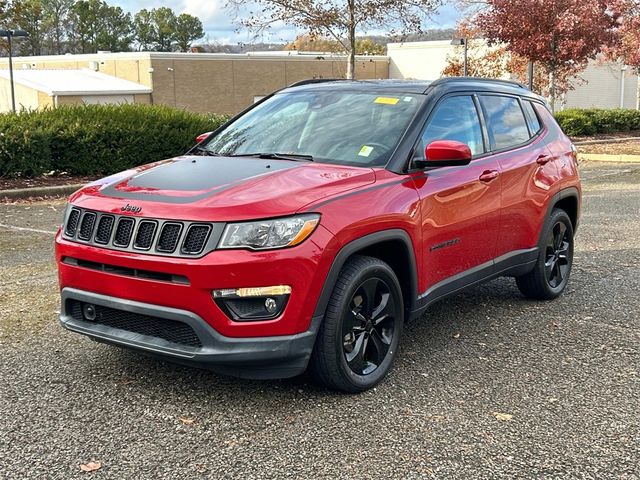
445 153
202 136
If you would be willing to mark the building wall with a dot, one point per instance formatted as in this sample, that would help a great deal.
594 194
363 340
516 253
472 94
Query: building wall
418 60
217 83
602 88
228 84
25 97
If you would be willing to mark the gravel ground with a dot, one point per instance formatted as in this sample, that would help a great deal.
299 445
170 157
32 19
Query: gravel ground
488 385
631 147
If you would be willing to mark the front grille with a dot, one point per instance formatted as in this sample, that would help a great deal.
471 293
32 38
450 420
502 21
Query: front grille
103 232
123 232
86 226
152 236
72 222
169 237
169 330
144 237
196 239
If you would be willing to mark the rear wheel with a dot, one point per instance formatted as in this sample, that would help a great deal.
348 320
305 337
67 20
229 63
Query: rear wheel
550 275
358 339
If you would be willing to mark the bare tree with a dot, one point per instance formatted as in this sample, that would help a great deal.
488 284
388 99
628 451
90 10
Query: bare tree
340 19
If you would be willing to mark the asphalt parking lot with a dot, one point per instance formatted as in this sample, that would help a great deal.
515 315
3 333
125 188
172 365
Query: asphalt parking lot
487 385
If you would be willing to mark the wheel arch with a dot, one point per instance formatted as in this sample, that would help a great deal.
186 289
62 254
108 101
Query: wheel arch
567 199
381 245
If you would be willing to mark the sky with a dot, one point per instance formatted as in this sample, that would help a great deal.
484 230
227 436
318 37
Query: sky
219 26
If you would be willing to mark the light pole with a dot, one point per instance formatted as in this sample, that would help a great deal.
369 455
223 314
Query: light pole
462 41
9 34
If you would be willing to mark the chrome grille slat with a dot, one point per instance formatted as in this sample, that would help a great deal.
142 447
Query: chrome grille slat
195 239
150 236
124 231
86 226
169 236
72 222
145 234
103 232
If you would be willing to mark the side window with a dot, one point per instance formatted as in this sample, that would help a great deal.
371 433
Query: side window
455 118
505 121
532 118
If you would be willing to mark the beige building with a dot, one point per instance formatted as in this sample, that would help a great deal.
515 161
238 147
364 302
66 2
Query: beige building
37 89
601 85
200 82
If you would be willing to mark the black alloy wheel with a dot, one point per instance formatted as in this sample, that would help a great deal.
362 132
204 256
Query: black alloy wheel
369 326
360 333
550 275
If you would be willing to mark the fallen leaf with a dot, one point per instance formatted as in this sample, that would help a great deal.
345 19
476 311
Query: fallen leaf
503 417
90 467
187 420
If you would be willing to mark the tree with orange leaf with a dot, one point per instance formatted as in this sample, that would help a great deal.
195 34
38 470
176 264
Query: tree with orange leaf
559 35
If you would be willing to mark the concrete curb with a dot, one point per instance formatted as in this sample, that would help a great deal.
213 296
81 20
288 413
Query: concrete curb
602 157
605 141
20 193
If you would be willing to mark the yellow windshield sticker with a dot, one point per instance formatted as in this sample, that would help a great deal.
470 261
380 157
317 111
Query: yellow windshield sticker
387 100
365 151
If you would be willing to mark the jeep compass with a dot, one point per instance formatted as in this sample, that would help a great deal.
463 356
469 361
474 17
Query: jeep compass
307 230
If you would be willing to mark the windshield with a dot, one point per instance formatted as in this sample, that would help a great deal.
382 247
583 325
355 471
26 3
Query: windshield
346 127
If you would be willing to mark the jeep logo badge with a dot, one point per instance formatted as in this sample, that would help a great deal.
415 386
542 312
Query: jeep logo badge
131 208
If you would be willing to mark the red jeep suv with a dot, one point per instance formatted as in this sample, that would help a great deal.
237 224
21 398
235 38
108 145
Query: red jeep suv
305 231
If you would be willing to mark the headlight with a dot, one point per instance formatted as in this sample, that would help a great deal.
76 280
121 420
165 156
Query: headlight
266 234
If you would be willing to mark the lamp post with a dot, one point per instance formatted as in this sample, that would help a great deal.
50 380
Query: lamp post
462 41
9 34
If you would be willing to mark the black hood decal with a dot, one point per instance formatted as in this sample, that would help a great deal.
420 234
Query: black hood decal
204 176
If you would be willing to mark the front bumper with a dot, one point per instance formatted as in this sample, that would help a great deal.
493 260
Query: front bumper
256 357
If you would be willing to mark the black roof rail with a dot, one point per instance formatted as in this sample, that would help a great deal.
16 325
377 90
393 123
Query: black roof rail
477 79
310 81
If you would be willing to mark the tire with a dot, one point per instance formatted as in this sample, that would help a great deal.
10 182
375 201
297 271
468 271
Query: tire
359 337
551 273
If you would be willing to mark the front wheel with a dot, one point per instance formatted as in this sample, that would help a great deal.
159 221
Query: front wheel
359 336
550 275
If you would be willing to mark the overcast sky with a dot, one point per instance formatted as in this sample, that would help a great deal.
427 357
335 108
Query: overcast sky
219 26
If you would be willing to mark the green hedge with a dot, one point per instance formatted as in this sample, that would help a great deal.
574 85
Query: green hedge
589 121
96 139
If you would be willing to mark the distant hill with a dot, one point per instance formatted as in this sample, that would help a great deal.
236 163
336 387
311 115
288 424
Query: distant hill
435 34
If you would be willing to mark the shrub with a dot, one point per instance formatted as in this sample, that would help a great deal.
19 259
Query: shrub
96 139
575 122
589 121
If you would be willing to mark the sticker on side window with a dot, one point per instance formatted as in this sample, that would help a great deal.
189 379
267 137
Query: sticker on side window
387 100
365 151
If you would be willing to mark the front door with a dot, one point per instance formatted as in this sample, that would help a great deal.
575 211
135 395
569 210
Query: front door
460 206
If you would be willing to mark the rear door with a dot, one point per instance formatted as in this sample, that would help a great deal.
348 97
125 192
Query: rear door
460 206
528 169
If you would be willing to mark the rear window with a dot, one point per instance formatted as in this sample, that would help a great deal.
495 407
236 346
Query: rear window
532 117
505 121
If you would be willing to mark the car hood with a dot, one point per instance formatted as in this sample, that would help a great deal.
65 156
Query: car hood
220 188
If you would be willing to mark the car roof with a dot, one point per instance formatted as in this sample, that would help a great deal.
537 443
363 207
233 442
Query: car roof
442 86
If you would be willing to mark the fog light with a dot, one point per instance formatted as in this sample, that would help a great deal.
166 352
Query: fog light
89 312
252 303
252 291
271 305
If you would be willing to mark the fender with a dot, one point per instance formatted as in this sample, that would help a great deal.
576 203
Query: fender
561 195
358 244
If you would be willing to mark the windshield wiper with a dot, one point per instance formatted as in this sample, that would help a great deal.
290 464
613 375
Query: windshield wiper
297 157
205 152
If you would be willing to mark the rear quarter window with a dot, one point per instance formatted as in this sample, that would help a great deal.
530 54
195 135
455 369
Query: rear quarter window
506 122
532 118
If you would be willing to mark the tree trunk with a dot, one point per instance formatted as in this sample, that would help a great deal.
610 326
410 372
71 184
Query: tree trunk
552 90
351 65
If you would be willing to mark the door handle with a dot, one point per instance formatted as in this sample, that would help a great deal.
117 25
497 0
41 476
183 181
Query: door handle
489 175
543 159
